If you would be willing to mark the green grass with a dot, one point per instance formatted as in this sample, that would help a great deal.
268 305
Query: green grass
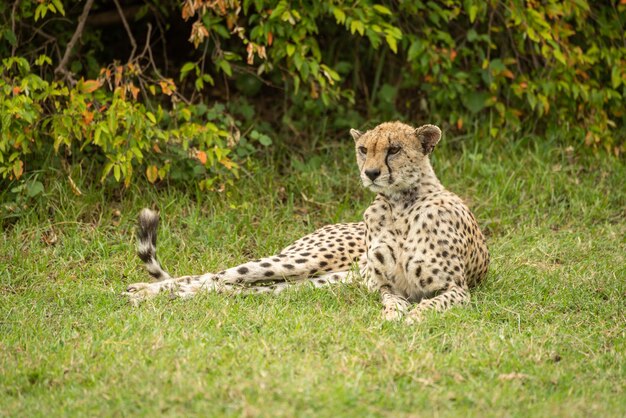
544 335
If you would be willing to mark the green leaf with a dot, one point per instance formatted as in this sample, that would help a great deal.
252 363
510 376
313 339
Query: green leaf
394 32
340 16
137 152
559 56
151 117
96 135
296 84
382 9
329 73
116 172
357 26
43 59
472 35
415 50
288 17
106 171
532 34
225 66
304 70
497 66
280 8
265 140
616 77
10 36
290 49
298 61
34 188
40 11
475 101
473 10
185 113
393 44
59 6
186 68
387 93
207 79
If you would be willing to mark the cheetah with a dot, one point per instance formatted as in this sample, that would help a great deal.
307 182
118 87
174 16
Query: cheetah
418 246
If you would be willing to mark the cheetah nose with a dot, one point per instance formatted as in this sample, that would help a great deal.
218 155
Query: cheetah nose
372 174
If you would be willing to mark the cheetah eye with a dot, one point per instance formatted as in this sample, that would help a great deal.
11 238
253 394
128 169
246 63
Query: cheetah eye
393 150
363 150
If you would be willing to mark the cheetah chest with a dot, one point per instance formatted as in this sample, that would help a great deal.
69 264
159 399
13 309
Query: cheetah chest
393 257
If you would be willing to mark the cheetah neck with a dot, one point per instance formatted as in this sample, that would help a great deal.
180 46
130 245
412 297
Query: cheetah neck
427 184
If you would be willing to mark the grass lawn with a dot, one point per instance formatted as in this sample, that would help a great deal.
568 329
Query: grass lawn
545 335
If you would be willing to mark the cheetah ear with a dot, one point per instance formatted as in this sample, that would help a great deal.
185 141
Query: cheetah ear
428 136
355 134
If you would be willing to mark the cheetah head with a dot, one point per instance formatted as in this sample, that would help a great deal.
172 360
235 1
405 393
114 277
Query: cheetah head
392 156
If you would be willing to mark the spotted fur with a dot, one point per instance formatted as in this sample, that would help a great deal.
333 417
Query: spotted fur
423 244
419 245
147 239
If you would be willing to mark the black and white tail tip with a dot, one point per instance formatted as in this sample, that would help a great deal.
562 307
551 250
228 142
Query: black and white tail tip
147 237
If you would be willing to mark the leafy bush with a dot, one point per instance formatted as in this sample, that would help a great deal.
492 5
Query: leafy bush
116 119
557 65
86 121
140 99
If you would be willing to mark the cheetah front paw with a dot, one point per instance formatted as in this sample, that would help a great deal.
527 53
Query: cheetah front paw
394 311
414 317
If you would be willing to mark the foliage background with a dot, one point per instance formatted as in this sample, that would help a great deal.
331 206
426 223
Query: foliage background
192 92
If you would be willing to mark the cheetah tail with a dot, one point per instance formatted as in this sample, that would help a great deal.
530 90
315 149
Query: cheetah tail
146 249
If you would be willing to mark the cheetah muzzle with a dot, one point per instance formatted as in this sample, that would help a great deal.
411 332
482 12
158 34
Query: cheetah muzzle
419 245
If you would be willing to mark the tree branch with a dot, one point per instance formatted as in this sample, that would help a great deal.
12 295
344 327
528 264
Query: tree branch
128 31
61 68
147 45
13 11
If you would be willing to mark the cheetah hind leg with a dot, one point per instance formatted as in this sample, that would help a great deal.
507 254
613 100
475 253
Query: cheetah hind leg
320 258
188 286
279 286
177 287
331 249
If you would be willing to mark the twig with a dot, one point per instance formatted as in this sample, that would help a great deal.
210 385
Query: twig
518 59
618 21
162 38
14 47
151 59
128 31
489 32
50 39
250 71
148 35
77 34
175 93
202 63
204 54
